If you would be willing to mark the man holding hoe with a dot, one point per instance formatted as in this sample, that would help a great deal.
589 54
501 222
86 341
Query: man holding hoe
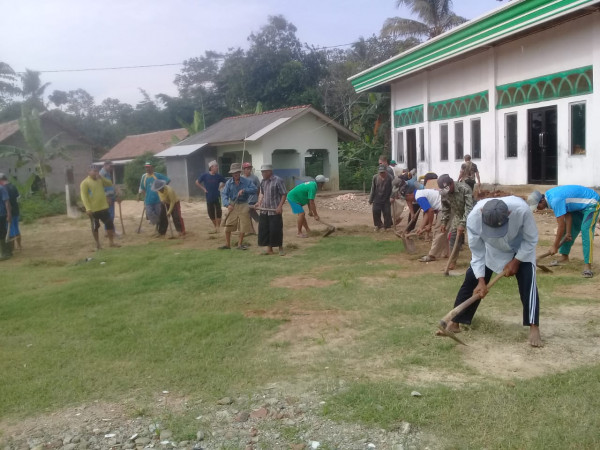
304 194
502 237
96 206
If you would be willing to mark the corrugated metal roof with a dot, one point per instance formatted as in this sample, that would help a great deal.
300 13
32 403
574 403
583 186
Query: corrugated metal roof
180 150
7 129
255 126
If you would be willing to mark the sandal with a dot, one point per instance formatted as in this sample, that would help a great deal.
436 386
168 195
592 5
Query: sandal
555 263
427 258
587 274
224 247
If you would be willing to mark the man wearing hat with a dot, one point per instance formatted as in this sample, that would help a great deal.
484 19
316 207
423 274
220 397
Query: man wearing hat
457 203
155 212
577 205
270 223
247 173
384 161
305 194
235 196
381 199
168 198
502 237
96 206
210 182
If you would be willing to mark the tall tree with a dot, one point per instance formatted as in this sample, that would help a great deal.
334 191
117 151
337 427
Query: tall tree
8 84
436 17
33 89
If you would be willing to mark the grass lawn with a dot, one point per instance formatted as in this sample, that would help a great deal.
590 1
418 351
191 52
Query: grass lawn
143 319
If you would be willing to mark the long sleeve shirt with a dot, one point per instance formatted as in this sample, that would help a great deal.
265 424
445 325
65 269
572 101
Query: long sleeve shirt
381 189
168 196
457 204
146 183
519 242
92 193
229 194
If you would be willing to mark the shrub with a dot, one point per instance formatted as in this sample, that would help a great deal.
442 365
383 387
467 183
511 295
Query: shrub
35 207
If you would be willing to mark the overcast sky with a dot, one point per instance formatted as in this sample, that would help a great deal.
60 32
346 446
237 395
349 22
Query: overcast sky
50 35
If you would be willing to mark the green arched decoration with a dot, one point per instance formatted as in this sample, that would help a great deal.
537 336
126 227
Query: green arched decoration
458 107
409 116
548 87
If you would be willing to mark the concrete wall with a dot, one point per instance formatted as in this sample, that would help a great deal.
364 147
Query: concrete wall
568 46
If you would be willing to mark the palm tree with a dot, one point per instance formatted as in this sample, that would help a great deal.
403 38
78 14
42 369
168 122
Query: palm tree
436 18
39 151
33 89
8 88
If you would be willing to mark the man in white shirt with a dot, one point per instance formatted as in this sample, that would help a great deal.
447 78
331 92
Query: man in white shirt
502 237
430 202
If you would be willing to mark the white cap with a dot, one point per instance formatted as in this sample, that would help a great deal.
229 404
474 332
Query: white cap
321 179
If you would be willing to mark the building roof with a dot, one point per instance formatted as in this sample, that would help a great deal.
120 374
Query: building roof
506 22
7 129
138 144
252 127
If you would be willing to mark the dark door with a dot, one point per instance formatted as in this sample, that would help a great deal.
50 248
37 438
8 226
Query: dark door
411 149
543 167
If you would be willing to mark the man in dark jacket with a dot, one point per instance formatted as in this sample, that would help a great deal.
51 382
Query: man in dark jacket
381 198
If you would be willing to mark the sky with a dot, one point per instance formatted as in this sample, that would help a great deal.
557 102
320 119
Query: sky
54 36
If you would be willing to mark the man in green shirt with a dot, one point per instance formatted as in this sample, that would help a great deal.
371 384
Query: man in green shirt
304 194
96 206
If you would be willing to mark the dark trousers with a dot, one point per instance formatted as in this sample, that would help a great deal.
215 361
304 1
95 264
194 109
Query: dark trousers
5 248
527 290
385 209
177 219
163 223
270 230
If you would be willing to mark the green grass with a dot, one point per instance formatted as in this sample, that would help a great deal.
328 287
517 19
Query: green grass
155 318
36 207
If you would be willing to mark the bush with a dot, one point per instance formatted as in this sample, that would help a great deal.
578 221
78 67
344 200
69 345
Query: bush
36 206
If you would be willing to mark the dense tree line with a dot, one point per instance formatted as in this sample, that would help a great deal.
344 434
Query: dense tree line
276 71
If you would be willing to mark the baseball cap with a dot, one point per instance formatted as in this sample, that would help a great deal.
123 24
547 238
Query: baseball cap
246 165
494 216
212 163
444 181
148 163
321 179
534 199
393 163
381 168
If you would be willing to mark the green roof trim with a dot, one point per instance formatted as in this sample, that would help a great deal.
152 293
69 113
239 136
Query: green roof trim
459 106
510 19
557 85
409 116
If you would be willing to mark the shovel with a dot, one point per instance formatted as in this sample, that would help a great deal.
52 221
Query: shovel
460 308
453 255
330 228
544 255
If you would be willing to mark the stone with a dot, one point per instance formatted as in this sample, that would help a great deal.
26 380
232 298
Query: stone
297 447
200 435
143 441
242 416
260 413
225 401
415 394
129 445
166 434
70 446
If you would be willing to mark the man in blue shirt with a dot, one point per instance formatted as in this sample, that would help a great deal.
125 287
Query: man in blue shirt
155 211
235 196
576 209
210 182
5 219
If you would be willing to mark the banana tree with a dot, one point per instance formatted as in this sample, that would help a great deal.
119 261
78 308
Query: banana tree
39 151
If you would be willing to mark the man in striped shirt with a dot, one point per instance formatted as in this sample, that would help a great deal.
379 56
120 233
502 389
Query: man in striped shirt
574 205
270 223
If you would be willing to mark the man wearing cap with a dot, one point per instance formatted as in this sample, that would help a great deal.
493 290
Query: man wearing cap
169 199
270 223
13 199
457 203
384 161
381 199
396 168
247 173
210 182
578 205
96 206
305 194
502 238
109 191
155 212
235 196
5 220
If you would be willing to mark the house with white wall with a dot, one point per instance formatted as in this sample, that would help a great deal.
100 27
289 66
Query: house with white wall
298 141
513 88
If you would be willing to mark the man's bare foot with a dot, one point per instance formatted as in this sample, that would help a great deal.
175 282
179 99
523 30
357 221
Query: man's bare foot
452 266
535 340
115 245
562 258
453 327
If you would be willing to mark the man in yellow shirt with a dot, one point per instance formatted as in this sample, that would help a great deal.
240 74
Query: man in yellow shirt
168 197
96 206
